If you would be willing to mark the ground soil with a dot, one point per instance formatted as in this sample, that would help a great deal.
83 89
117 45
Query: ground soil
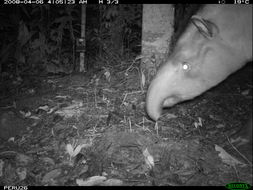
92 129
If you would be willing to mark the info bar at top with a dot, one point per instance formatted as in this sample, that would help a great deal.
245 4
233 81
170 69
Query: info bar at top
117 2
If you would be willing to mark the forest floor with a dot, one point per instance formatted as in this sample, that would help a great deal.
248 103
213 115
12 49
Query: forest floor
92 129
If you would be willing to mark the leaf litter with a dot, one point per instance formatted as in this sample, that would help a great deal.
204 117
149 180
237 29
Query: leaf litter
92 130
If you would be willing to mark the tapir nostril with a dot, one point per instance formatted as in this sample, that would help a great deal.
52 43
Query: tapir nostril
171 101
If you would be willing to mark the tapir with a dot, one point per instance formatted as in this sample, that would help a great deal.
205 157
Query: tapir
216 43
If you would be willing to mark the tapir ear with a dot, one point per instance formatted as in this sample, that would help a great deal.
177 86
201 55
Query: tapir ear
205 27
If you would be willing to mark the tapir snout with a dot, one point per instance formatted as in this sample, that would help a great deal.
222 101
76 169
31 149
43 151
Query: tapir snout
217 43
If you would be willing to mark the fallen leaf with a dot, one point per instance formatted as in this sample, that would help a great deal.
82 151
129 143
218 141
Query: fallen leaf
245 92
92 181
22 173
1 167
23 159
227 158
48 160
171 116
51 175
148 158
73 152
112 182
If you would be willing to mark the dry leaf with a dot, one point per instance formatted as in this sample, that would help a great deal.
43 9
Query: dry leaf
148 158
92 181
51 175
227 158
112 182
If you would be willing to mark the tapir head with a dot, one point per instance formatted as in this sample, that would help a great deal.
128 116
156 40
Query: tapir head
201 59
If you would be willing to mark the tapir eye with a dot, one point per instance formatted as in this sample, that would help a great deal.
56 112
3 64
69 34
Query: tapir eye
185 66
